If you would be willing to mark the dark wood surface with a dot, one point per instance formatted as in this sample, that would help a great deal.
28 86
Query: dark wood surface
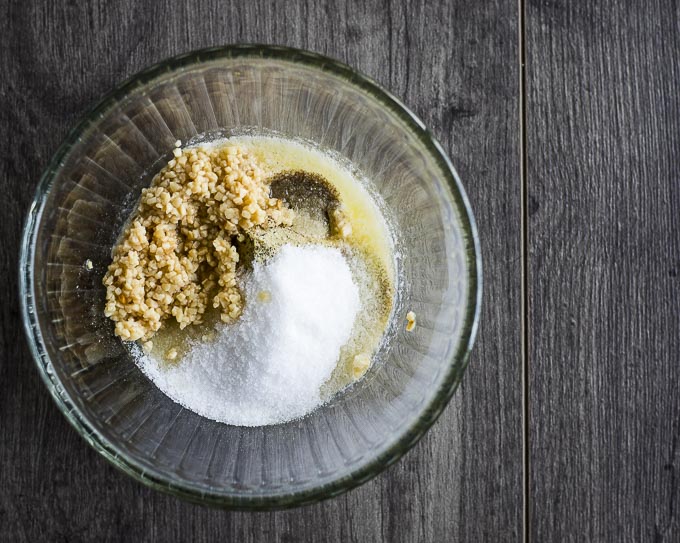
603 108
602 148
456 64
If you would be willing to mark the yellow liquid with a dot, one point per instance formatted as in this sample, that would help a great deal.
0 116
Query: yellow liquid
369 229
369 247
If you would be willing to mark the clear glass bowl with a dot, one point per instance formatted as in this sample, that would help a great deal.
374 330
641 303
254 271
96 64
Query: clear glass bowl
94 181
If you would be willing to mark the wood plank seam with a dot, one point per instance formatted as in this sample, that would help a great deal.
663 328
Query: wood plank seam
524 244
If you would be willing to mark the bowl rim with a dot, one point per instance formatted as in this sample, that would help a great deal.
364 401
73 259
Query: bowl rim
456 365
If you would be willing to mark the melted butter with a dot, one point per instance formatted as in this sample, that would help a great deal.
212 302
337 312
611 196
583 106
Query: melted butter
369 251
369 229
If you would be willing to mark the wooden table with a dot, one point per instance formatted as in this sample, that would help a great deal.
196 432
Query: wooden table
563 119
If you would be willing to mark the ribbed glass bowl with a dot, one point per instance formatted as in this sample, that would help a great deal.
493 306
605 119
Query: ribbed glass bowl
94 181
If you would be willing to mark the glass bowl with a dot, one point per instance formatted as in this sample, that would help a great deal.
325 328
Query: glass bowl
94 181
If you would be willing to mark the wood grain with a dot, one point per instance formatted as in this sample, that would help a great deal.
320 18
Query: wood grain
455 64
604 198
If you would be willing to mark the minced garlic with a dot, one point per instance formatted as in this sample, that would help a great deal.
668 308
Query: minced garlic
342 226
410 321
360 365
171 354
177 255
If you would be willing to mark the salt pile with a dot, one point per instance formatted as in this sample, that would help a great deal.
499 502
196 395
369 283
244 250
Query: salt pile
269 366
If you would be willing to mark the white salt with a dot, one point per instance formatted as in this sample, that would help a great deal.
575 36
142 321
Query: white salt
269 366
